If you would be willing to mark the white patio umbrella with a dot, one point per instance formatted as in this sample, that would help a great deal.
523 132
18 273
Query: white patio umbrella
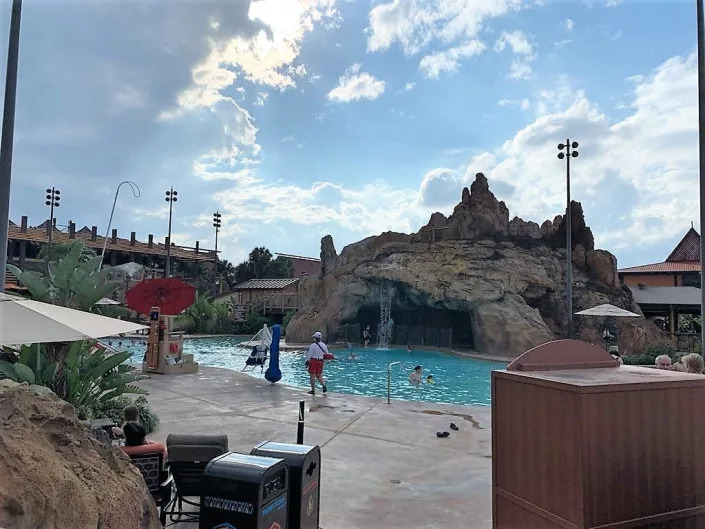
608 310
107 301
28 321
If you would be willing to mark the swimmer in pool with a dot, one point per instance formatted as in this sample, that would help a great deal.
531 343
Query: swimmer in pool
353 356
429 380
415 376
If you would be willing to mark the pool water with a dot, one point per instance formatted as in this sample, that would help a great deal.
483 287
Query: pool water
457 380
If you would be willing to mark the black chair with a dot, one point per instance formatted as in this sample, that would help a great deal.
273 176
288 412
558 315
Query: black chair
149 460
188 457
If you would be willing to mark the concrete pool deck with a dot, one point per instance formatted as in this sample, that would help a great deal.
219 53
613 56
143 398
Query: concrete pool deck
382 465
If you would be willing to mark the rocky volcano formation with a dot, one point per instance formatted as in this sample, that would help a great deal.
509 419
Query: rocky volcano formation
55 475
497 283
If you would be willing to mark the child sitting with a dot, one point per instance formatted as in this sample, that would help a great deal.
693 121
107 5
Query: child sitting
130 413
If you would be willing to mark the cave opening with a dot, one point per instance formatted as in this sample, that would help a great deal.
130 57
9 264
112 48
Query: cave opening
415 324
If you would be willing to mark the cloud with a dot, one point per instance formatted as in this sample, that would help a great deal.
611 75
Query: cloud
414 24
432 65
440 187
567 24
635 176
353 86
261 98
524 104
520 46
409 87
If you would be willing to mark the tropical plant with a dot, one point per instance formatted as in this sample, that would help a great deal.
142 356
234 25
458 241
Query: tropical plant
287 318
112 409
61 250
31 367
201 313
260 264
94 376
70 282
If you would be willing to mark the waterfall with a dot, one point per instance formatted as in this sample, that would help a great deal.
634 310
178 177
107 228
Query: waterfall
384 329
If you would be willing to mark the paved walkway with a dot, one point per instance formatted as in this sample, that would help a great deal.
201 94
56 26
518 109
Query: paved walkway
382 465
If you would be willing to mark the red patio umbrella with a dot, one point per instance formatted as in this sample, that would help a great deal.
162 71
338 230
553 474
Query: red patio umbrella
170 295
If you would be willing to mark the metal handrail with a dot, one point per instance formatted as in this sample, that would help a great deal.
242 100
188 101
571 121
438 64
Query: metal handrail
389 380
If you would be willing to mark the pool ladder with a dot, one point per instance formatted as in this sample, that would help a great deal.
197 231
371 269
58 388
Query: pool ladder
389 380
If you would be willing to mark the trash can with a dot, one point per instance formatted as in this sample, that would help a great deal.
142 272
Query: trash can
244 492
304 486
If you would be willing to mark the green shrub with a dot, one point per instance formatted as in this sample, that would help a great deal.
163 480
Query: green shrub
287 318
113 410
649 356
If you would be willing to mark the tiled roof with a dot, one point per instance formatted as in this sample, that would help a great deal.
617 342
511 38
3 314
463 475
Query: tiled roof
39 235
688 249
666 295
265 284
665 268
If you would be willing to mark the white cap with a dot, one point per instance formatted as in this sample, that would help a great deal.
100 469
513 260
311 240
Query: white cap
317 335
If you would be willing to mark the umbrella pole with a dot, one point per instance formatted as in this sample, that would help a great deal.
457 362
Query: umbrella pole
701 109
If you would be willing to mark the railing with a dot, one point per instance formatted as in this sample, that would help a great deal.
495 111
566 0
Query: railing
282 302
389 381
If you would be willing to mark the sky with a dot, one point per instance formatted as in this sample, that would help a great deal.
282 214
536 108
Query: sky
300 118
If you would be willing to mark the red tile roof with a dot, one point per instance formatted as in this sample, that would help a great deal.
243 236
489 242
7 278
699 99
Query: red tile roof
688 249
668 267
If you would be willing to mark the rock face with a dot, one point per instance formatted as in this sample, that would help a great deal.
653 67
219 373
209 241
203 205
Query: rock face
499 285
56 475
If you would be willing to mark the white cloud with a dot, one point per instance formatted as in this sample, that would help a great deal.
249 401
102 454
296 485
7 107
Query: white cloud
517 41
642 168
524 104
261 99
568 24
409 87
353 86
434 64
440 188
520 46
314 78
414 24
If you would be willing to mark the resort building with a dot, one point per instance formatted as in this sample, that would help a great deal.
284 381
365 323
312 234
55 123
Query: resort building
309 266
25 242
666 290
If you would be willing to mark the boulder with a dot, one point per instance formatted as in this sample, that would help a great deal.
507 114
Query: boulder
519 228
604 265
499 285
56 475
329 257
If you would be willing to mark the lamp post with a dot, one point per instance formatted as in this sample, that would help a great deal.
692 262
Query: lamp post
567 153
171 197
53 197
216 225
136 192
8 129
701 127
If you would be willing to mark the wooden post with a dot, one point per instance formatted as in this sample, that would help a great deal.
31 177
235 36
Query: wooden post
672 325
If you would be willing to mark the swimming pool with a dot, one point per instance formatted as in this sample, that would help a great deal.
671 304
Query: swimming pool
457 380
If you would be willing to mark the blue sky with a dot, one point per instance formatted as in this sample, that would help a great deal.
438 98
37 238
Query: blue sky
299 118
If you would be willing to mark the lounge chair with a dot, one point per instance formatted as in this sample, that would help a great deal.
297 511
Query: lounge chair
188 457
149 460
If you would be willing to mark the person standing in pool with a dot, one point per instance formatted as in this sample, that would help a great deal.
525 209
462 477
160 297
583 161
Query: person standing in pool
415 376
314 362
367 335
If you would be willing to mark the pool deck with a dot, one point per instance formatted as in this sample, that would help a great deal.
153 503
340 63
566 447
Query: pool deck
383 465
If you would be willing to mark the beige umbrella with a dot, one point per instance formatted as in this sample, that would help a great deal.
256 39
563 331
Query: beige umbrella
608 310
27 321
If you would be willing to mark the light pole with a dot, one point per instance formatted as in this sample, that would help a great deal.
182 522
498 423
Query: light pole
216 225
136 192
8 130
701 127
567 153
171 197
53 198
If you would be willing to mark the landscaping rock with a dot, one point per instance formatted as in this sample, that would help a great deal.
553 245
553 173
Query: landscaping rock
55 475
508 277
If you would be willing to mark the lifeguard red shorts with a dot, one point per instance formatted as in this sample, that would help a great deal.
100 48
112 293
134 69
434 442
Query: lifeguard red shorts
315 366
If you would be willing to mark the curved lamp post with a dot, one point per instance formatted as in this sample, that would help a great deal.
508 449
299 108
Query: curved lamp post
136 192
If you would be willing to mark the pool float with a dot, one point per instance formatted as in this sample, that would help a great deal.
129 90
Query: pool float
273 374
